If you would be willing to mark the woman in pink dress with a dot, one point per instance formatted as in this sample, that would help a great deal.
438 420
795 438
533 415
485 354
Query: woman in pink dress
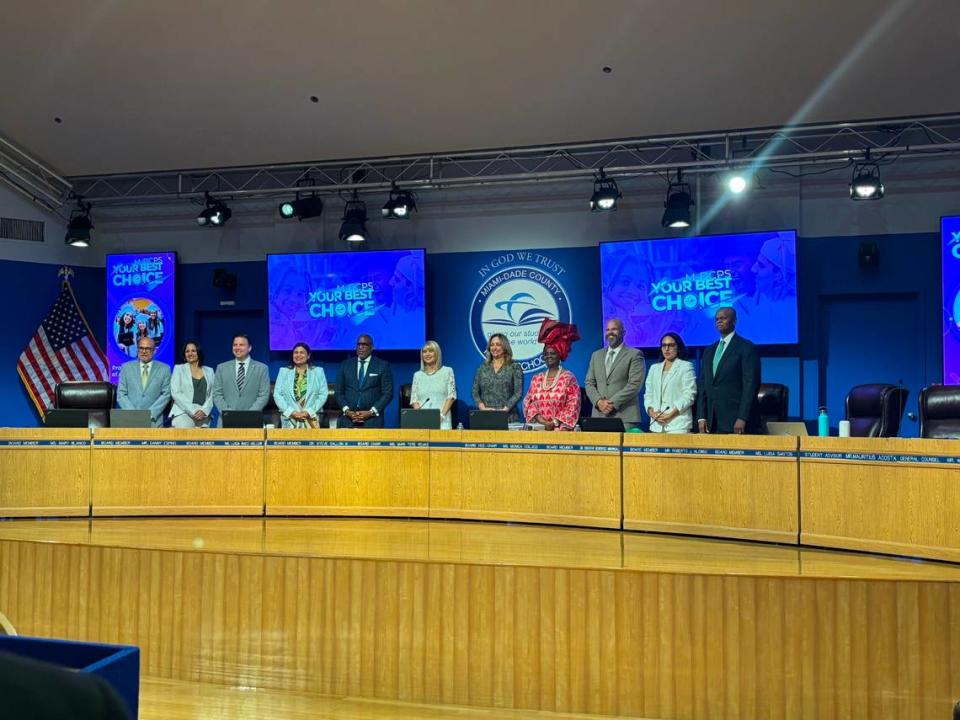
553 399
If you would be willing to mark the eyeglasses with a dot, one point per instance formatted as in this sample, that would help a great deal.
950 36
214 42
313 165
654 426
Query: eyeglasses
667 345
145 349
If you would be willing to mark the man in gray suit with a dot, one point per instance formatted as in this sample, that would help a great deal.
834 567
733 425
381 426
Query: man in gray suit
144 383
241 383
615 377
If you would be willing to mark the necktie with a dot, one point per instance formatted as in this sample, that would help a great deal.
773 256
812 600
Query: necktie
144 375
241 377
608 362
362 374
718 354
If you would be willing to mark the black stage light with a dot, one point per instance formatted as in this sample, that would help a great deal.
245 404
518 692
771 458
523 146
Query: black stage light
215 213
676 212
302 208
79 226
605 194
354 228
400 204
865 183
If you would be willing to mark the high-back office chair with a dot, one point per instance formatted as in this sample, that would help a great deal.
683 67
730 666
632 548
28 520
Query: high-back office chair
95 397
772 400
271 413
331 408
875 410
940 412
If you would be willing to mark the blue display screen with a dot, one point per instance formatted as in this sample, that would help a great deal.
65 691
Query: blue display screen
677 284
327 299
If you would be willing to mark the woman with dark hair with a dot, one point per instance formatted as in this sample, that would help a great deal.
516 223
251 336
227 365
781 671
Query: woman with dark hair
671 388
125 329
191 388
300 390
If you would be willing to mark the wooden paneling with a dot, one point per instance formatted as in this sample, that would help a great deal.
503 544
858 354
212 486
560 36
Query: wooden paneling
177 472
44 472
899 496
735 486
541 477
348 472
612 642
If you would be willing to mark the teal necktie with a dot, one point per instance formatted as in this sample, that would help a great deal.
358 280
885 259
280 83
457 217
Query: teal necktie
717 355
362 375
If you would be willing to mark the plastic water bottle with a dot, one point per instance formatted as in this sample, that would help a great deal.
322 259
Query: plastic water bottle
823 423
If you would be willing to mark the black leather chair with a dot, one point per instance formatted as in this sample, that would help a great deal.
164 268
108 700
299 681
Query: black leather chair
940 412
772 399
331 408
271 413
95 397
875 410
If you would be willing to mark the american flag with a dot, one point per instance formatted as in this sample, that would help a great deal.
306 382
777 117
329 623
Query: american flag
62 348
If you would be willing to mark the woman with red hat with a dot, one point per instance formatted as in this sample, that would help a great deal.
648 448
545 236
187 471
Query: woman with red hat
553 399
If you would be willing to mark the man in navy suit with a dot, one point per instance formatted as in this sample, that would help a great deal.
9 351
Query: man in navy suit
364 387
729 380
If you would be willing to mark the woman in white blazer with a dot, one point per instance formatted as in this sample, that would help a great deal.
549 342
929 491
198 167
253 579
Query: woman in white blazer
671 388
191 388
300 390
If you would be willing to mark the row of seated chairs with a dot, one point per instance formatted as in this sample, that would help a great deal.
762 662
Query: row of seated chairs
873 410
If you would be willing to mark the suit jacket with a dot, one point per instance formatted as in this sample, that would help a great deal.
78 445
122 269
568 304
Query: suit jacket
132 395
376 391
621 386
678 391
181 390
313 401
36 690
731 394
256 388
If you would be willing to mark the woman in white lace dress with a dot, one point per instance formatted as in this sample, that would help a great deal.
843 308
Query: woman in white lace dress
434 387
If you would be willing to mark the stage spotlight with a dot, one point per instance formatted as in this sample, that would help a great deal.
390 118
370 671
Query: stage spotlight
865 183
736 182
215 213
354 228
676 212
400 204
79 226
605 194
302 208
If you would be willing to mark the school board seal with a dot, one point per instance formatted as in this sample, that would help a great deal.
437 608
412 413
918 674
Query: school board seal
514 299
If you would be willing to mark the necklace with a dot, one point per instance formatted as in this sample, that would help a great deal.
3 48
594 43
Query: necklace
547 385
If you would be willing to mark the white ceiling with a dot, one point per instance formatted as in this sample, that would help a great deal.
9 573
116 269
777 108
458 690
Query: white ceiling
201 83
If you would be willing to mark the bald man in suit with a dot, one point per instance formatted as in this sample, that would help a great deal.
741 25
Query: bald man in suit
144 383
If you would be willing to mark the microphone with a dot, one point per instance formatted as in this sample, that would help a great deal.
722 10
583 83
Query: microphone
660 414
425 403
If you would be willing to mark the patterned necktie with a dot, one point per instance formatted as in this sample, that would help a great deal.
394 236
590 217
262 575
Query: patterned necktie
241 377
608 362
718 354
144 375
361 376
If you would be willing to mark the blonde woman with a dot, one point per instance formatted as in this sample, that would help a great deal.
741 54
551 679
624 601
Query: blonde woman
434 387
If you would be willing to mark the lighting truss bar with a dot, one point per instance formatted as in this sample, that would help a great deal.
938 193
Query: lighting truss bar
31 178
914 138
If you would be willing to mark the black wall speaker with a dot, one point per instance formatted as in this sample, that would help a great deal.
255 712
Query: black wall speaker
224 279
868 255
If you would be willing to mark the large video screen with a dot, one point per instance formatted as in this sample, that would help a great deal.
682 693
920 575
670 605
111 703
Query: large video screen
950 267
327 299
140 303
677 284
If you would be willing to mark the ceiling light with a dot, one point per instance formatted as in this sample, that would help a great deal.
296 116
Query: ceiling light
736 182
215 213
354 228
302 207
605 194
865 183
676 212
400 204
79 226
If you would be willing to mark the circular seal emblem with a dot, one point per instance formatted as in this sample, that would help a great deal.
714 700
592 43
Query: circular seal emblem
514 302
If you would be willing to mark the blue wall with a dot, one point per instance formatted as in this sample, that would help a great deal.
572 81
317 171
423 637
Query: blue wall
856 325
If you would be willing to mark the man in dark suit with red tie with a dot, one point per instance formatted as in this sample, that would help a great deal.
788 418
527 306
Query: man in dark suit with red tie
364 387
729 380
